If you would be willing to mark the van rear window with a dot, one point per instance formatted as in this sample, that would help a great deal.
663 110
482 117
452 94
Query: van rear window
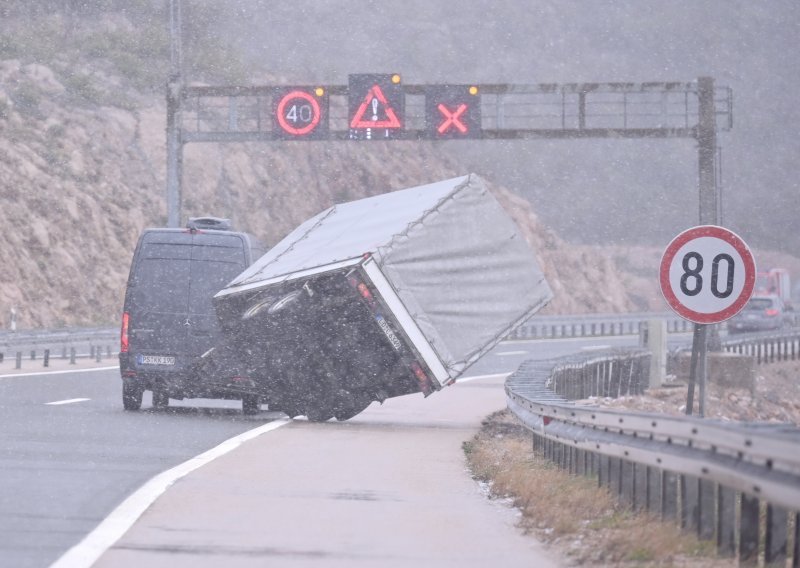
182 277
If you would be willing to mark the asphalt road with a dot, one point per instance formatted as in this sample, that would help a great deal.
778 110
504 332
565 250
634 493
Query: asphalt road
66 466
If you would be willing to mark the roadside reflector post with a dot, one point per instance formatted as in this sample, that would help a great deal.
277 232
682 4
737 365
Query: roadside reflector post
71 355
46 357
19 360
656 342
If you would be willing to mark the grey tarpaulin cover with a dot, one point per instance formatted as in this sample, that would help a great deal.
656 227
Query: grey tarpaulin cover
452 254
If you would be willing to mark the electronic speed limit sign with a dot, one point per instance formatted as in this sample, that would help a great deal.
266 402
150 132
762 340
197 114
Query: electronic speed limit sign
707 274
300 113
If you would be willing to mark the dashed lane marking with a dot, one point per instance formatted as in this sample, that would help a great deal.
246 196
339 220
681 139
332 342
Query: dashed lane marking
503 353
68 401
482 377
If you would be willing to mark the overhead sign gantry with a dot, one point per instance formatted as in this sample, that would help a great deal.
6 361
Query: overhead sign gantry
380 107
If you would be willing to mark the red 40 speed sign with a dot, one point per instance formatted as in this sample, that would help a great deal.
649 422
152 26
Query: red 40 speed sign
707 274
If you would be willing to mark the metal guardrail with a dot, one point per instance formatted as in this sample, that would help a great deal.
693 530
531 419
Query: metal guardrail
590 325
66 343
710 476
766 348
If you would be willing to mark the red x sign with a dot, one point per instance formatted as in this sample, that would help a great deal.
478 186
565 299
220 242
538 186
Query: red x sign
452 118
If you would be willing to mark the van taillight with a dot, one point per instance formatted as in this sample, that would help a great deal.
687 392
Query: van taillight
772 312
123 336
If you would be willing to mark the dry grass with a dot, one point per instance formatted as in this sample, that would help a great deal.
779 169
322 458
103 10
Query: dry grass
582 522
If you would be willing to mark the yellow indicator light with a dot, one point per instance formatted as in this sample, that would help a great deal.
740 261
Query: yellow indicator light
319 91
396 79
473 90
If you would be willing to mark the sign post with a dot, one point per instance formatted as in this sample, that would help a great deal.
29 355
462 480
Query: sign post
707 275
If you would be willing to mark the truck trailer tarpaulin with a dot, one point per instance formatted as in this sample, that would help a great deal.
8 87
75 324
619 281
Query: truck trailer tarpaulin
376 298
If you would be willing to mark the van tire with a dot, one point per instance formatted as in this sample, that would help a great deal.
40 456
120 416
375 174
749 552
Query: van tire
251 404
160 399
131 396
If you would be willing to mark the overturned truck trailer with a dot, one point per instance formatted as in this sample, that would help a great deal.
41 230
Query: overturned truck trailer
377 298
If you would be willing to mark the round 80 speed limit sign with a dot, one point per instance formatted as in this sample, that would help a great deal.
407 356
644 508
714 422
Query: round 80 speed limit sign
707 274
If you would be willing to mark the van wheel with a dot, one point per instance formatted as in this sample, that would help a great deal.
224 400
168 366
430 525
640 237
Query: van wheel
251 404
160 398
131 396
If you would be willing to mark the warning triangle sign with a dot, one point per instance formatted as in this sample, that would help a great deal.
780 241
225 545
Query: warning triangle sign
374 101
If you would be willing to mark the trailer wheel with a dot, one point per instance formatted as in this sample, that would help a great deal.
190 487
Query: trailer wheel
318 414
131 396
251 404
347 412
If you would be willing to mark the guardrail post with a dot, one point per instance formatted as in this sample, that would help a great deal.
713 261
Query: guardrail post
707 504
71 355
602 469
748 530
1 357
775 537
46 357
655 483
98 354
726 521
19 360
641 487
796 552
669 496
615 475
33 355
627 483
690 502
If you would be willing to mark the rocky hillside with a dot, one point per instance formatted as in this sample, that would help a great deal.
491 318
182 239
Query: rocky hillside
78 182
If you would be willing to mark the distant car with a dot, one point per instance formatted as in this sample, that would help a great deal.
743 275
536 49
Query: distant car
168 319
762 312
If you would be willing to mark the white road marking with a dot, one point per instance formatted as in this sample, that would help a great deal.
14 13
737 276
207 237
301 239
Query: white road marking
482 377
12 375
117 523
68 401
502 353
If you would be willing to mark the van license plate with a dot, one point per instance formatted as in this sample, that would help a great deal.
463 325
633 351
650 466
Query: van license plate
155 360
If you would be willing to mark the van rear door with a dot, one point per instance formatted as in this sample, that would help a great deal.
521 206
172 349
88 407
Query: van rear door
176 274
